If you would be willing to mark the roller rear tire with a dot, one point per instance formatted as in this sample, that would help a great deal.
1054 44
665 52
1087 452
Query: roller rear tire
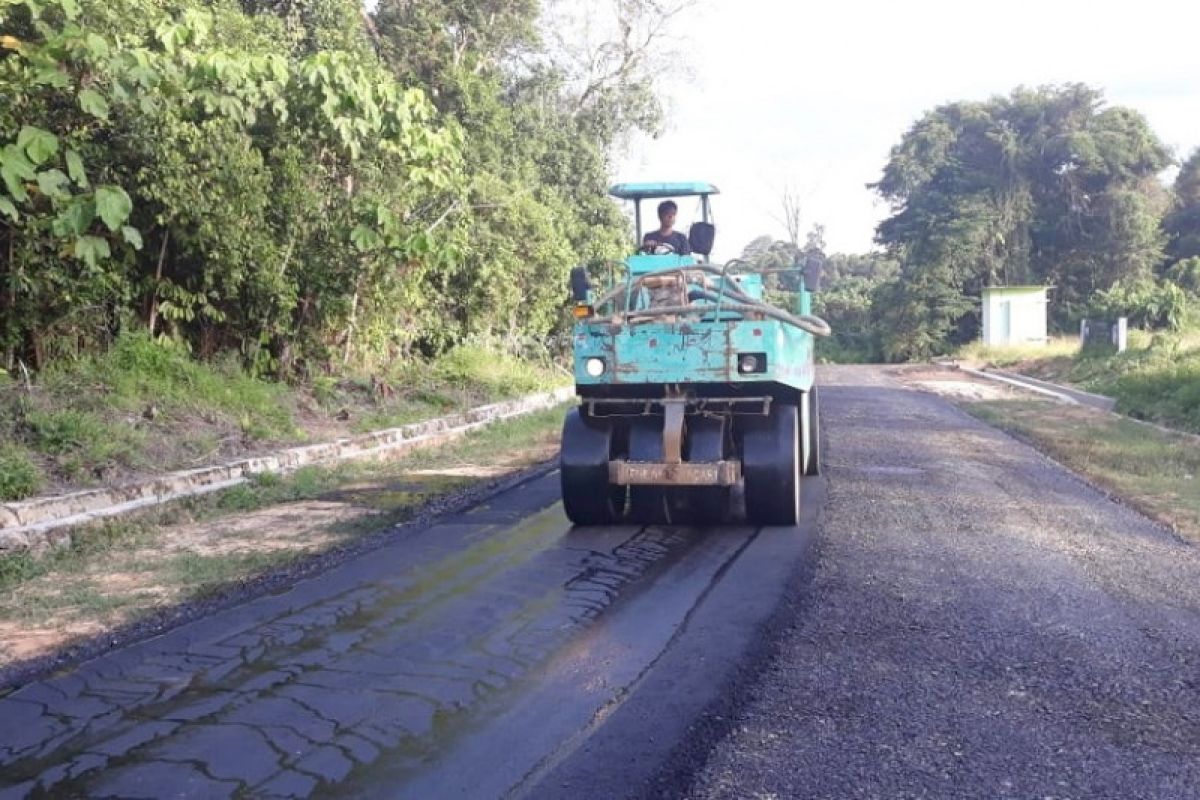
587 446
707 441
812 433
771 466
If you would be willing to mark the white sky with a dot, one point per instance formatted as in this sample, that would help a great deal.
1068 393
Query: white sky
813 95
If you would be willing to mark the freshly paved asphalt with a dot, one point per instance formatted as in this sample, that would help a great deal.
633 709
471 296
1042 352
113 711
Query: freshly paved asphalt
969 620
980 623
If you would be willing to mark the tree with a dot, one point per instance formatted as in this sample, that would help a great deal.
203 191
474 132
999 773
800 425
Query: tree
1182 224
1043 186
302 183
189 127
537 154
848 302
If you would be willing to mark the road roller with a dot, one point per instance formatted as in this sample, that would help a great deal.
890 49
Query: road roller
692 388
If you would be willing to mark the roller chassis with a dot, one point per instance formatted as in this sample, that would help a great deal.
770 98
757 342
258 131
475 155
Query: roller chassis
679 459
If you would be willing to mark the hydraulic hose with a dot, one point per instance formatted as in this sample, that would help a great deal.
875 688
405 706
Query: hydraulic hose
805 322
617 291
745 305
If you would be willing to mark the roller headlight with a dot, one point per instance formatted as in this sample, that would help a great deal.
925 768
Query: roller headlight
594 367
751 363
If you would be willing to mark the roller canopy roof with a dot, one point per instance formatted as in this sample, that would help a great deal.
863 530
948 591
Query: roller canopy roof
641 191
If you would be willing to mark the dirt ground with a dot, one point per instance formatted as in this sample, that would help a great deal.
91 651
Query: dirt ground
955 384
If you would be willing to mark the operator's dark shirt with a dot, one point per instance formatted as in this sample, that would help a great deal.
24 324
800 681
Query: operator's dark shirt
676 239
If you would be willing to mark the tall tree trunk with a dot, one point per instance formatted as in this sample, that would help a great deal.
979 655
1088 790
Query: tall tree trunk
10 353
162 255
353 322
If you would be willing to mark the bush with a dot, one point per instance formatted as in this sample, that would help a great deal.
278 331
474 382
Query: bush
1145 302
19 477
1186 275
480 370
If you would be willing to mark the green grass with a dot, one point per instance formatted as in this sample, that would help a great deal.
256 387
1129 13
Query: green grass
1156 379
1007 356
494 375
312 482
101 539
82 442
206 574
65 585
138 372
268 489
147 406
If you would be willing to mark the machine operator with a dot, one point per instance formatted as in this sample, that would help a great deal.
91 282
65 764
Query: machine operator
666 234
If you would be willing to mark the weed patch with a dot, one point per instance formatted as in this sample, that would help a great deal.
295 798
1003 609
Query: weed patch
19 476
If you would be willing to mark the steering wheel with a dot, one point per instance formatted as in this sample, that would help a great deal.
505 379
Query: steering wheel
658 248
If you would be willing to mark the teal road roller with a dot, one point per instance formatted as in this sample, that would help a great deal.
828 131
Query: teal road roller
690 383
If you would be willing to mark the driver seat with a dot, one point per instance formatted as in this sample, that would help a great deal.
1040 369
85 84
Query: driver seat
700 237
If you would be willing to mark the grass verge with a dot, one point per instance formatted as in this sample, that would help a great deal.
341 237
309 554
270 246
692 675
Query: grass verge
147 406
121 570
1058 348
1156 472
1156 379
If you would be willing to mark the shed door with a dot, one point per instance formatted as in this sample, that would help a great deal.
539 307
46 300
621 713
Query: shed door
1005 321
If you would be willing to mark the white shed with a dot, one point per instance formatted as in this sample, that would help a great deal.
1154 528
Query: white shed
1014 315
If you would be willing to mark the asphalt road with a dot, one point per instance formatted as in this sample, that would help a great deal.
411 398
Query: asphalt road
979 623
966 620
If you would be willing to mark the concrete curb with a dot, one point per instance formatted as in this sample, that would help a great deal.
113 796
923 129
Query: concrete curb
27 523
1060 396
1102 402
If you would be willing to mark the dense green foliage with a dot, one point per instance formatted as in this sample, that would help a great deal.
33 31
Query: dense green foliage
1182 224
1147 303
1157 378
1044 186
854 286
295 182
849 287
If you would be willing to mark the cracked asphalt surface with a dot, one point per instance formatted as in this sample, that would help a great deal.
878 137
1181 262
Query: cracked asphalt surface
970 620
460 661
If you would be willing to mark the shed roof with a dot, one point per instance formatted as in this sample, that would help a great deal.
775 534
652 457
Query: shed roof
1031 288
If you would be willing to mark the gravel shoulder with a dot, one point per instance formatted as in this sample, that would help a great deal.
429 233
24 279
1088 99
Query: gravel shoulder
979 623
